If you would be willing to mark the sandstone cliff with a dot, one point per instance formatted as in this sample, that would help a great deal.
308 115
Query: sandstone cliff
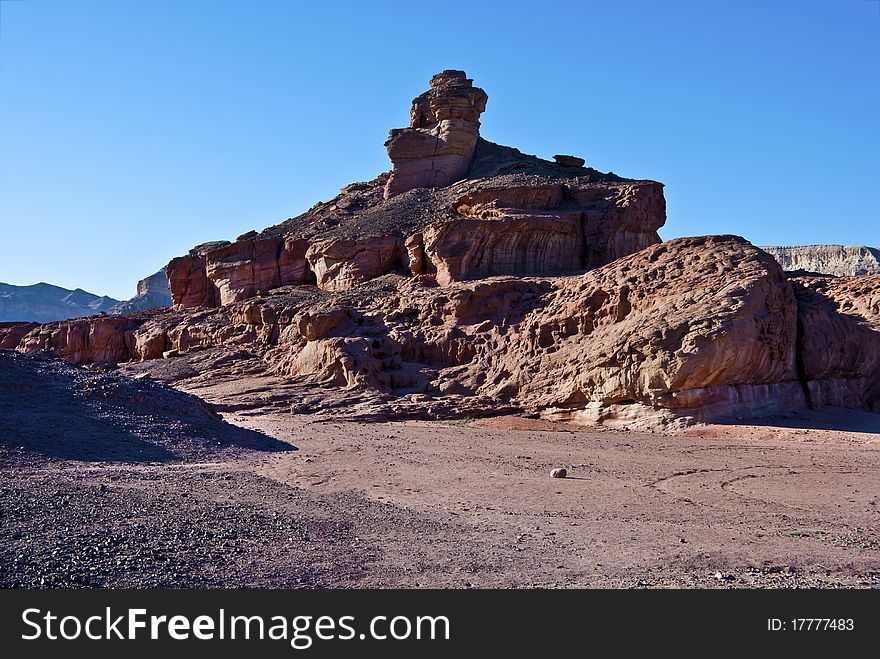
828 259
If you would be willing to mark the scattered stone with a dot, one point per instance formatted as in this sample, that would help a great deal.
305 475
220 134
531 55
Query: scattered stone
559 473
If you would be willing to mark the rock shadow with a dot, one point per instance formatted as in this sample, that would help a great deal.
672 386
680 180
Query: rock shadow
54 410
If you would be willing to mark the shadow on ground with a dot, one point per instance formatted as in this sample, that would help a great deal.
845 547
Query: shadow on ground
58 411
828 418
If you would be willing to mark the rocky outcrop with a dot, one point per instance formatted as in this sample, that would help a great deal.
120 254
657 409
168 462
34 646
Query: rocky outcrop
107 339
437 147
569 161
340 263
11 334
828 259
152 292
188 282
44 303
699 327
462 209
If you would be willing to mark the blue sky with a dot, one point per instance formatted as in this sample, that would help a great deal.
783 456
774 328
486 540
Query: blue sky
131 131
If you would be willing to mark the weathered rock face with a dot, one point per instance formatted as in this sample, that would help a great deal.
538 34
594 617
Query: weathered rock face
85 340
188 282
11 334
152 292
340 263
223 273
836 260
437 148
839 340
541 229
673 327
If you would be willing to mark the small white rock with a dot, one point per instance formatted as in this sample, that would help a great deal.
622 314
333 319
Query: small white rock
559 473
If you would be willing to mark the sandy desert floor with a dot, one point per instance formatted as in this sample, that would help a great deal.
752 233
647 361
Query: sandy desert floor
457 504
748 506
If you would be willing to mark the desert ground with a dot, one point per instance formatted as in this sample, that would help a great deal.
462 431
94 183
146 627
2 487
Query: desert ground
145 487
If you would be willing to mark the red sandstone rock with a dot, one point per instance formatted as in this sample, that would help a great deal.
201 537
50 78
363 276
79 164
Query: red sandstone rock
11 334
839 340
437 148
660 328
543 229
339 264
188 282
85 340
510 214
244 268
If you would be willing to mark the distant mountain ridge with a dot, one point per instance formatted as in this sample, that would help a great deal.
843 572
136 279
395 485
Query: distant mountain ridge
839 260
44 303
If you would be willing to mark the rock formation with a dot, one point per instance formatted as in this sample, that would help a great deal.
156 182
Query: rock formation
828 259
44 303
152 292
518 284
437 148
463 209
692 329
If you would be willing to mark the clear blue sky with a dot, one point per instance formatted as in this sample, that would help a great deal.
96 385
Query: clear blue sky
131 131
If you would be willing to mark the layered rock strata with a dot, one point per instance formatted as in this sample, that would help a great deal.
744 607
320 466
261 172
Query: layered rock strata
839 260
